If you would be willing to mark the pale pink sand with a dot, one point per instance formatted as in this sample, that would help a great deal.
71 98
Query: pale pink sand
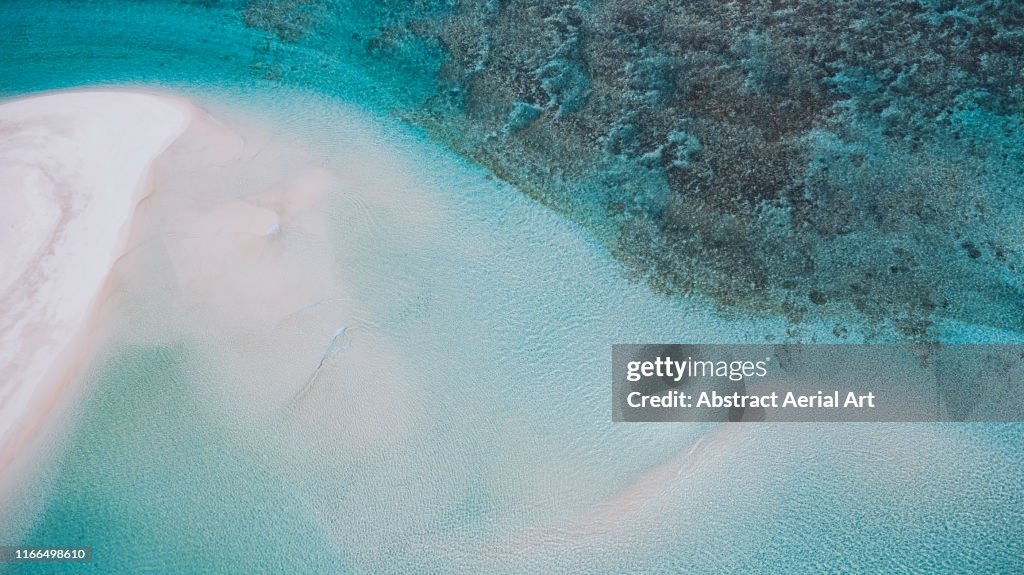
236 254
73 166
244 249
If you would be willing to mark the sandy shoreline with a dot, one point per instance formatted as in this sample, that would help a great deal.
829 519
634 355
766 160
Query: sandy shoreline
73 167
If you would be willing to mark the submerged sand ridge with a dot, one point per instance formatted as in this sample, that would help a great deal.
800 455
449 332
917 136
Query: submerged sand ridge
73 167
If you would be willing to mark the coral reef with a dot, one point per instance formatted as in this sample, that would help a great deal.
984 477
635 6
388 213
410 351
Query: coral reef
860 163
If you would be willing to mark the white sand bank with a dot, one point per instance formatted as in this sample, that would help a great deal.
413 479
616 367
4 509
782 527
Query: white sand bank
73 166
232 256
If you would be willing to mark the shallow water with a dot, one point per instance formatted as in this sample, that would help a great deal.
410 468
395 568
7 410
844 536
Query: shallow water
460 420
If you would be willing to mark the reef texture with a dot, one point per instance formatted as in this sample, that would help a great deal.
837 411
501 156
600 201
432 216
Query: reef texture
857 162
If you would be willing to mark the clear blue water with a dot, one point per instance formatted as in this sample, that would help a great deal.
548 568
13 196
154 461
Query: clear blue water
53 44
503 458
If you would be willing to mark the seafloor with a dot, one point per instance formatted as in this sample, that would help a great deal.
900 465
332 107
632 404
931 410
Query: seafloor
857 162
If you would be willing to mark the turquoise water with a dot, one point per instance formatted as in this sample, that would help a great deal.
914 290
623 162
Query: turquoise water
494 451
146 470
53 44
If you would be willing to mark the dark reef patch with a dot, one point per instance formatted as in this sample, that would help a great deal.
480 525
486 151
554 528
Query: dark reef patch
858 162
289 20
